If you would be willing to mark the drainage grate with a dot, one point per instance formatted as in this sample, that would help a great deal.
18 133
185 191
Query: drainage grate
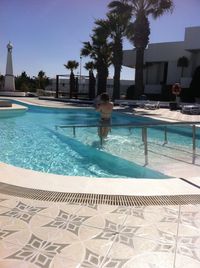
83 198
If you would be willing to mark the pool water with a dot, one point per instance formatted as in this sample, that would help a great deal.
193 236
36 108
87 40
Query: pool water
31 141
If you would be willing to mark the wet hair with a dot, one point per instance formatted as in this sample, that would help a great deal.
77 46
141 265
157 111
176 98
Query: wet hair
105 97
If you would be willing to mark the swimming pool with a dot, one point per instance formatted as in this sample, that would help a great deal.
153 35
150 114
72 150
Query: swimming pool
32 141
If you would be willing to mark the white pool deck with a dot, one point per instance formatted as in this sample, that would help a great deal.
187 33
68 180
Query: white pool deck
47 234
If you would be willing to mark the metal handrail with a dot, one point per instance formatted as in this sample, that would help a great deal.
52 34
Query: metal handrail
144 132
147 124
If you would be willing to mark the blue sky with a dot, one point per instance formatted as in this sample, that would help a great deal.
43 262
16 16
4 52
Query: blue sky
47 33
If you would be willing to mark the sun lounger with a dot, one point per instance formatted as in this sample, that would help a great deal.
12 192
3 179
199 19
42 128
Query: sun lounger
141 103
152 105
191 109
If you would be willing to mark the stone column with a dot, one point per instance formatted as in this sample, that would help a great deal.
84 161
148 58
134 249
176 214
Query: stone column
9 77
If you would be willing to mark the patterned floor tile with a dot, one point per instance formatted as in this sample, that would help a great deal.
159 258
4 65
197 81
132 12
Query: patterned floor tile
9 226
40 251
139 246
186 262
188 230
59 232
9 202
16 264
90 260
137 212
163 234
190 215
130 242
162 231
168 214
113 262
65 220
128 210
7 248
52 208
37 227
189 246
190 208
59 262
4 209
23 211
153 260
21 235
46 234
37 251
88 253
159 208
99 215
3 196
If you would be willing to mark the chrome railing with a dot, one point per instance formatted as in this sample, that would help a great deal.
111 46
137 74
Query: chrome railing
144 128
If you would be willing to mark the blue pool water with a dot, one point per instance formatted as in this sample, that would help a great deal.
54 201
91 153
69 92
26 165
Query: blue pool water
32 141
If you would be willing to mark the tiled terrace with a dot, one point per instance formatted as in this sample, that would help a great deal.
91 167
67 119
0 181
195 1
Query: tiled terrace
36 233
48 234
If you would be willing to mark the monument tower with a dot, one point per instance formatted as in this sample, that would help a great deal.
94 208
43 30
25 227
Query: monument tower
9 77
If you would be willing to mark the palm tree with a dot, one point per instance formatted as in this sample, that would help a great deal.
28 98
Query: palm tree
99 49
115 26
72 65
117 20
182 62
90 66
139 30
41 76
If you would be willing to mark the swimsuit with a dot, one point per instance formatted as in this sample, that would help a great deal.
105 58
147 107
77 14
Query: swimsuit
105 122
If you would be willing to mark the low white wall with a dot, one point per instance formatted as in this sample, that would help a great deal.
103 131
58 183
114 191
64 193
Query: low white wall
13 93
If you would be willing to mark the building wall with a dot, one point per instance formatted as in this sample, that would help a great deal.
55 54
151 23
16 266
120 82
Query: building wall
192 38
169 52
165 51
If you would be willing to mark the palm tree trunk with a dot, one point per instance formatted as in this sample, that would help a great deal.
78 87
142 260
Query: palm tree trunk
102 79
182 71
117 62
102 84
116 85
72 85
91 85
139 86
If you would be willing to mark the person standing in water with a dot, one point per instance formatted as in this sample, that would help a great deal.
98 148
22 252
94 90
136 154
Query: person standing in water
105 107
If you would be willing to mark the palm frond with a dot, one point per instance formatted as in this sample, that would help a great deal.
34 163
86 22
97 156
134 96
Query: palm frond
71 65
90 66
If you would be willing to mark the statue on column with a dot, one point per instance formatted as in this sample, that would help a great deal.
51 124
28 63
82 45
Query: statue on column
9 84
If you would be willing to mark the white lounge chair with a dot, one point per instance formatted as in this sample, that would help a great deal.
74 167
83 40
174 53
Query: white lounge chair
191 109
152 105
141 103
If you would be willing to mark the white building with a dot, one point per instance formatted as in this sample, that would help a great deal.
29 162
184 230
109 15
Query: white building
160 61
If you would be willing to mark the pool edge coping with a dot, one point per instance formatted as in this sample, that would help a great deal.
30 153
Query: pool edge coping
76 184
